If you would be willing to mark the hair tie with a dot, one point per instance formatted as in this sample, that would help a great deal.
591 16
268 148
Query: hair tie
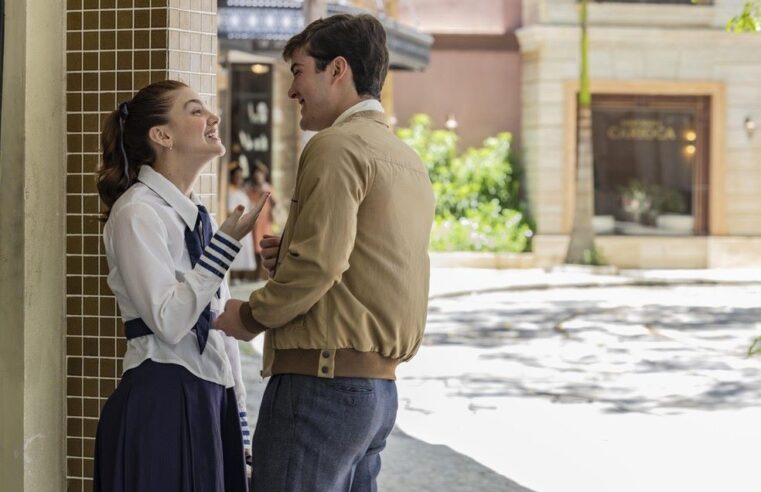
123 113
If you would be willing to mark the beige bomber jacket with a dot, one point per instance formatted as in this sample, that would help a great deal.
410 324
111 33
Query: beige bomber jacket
350 293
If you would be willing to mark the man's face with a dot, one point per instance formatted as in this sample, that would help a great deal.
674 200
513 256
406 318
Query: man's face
314 91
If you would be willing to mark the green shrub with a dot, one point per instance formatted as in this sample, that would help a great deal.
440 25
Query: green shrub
478 202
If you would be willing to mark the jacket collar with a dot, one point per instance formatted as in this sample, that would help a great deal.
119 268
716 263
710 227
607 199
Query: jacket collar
187 208
363 106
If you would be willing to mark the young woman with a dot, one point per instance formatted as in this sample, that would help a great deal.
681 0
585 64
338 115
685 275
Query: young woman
245 263
177 420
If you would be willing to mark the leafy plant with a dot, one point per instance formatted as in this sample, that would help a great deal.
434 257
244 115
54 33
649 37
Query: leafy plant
478 202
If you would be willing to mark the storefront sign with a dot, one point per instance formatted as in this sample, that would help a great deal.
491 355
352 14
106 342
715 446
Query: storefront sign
641 129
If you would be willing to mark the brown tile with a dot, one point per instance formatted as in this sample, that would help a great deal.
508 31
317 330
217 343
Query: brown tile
90 5
90 102
73 403
73 224
74 41
108 80
74 82
159 18
89 61
103 263
107 347
89 186
107 304
90 387
90 161
91 366
158 38
90 266
73 61
74 467
74 5
121 346
142 78
107 60
74 368
74 426
123 62
73 163
88 449
73 384
88 463
73 101
91 143
90 82
90 288
124 40
107 4
74 21
124 19
90 20
74 202
142 19
124 80
73 263
108 367
92 206
159 3
74 325
158 75
142 3
90 40
90 325
74 145
142 40
104 284
158 59
74 247
73 446
91 407
126 4
74 284
74 120
91 244
107 386
108 38
89 426
124 95
74 183
142 60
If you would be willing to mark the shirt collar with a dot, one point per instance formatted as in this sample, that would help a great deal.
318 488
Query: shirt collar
186 207
364 105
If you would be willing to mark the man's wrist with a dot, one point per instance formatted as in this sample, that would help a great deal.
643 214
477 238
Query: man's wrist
248 321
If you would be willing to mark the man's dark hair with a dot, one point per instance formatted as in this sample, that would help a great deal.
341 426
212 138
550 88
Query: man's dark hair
360 39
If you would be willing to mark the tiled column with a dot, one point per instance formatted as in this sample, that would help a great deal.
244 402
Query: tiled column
113 48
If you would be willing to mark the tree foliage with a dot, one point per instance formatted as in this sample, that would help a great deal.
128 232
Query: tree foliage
478 202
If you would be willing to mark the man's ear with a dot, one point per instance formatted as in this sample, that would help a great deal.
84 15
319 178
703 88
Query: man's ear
340 68
160 136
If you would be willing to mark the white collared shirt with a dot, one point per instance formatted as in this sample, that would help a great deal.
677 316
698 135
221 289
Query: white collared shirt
151 276
364 105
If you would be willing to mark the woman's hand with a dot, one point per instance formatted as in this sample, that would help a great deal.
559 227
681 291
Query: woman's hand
238 224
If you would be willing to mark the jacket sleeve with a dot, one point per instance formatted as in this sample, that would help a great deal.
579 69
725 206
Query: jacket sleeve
331 186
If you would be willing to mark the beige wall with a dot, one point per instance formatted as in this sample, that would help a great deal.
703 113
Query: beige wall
480 87
32 173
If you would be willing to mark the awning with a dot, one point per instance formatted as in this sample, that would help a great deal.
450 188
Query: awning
266 25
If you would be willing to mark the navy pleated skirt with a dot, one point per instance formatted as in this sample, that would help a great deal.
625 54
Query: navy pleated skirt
164 429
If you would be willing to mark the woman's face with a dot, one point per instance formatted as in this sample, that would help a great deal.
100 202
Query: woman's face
193 127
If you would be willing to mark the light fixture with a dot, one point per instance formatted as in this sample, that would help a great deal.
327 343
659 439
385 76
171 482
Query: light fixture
451 123
750 126
259 68
690 135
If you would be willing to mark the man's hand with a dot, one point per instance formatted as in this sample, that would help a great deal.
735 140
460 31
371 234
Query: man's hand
230 323
270 246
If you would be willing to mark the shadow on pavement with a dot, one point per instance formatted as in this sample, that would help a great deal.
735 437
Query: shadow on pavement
413 465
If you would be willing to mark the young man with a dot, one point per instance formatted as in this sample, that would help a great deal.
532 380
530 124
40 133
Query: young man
348 298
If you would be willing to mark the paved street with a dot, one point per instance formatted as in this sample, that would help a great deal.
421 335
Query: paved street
614 387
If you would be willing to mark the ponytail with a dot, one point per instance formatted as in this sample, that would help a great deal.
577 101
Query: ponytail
124 139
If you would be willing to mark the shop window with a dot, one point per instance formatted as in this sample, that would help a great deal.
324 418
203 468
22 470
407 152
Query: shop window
251 115
651 164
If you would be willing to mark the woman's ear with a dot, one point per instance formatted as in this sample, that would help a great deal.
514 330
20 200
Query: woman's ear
160 136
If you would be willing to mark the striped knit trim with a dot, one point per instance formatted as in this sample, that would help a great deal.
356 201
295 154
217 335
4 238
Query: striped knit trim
218 255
